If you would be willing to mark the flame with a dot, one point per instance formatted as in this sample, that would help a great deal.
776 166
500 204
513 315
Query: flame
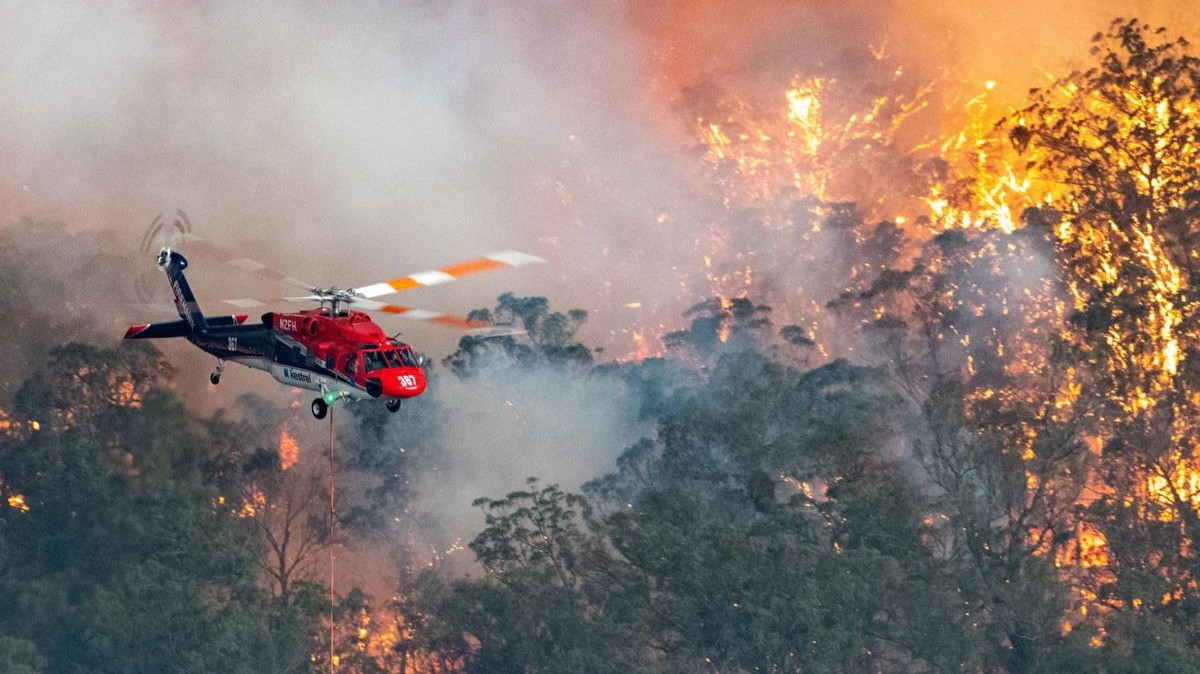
253 504
17 428
17 501
806 144
289 451
1175 487
723 333
804 111
362 631
127 395
1090 549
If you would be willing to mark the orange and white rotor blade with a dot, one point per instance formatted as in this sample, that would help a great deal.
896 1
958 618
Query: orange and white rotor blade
504 259
447 320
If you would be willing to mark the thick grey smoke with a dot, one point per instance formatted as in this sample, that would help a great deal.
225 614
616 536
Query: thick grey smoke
343 144
350 143
510 422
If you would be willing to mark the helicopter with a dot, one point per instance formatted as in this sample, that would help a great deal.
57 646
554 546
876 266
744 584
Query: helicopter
333 349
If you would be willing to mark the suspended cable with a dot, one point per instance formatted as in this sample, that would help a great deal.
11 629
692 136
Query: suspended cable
331 544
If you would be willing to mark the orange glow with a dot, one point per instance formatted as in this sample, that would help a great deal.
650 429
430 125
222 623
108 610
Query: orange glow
363 631
1085 398
1090 549
127 395
1176 487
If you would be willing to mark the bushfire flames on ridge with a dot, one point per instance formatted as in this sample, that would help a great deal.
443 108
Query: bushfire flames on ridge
825 143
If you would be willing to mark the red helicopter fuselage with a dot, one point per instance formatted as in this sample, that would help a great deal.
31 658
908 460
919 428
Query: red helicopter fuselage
355 347
341 354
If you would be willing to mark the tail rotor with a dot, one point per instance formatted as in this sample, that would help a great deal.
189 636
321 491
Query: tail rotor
164 233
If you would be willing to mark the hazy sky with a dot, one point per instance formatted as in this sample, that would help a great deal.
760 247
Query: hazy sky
354 141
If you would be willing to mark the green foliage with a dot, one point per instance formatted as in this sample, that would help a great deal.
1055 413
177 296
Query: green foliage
86 387
18 656
541 607
541 337
1142 645
704 550
122 562
723 325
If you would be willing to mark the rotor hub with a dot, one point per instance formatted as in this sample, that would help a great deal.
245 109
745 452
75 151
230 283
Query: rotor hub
335 298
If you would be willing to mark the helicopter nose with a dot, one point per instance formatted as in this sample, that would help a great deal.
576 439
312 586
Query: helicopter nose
403 382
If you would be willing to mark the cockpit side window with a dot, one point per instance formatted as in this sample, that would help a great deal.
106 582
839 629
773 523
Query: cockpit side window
374 360
352 364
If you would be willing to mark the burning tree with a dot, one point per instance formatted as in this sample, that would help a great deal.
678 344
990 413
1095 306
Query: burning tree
968 333
1121 141
1075 330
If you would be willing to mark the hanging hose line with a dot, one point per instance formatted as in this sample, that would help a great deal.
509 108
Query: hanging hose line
331 544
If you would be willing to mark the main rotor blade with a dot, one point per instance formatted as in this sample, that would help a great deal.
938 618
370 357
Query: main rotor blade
250 302
247 303
412 313
495 261
419 314
234 259
502 260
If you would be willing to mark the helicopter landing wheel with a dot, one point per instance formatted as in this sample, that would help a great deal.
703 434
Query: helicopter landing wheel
319 408
215 378
393 405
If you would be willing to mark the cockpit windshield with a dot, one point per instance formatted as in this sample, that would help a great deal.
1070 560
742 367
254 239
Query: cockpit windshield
386 358
407 358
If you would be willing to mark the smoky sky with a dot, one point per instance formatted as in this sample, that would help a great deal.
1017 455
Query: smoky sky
346 143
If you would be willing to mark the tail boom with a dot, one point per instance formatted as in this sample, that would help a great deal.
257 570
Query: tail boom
185 301
179 328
